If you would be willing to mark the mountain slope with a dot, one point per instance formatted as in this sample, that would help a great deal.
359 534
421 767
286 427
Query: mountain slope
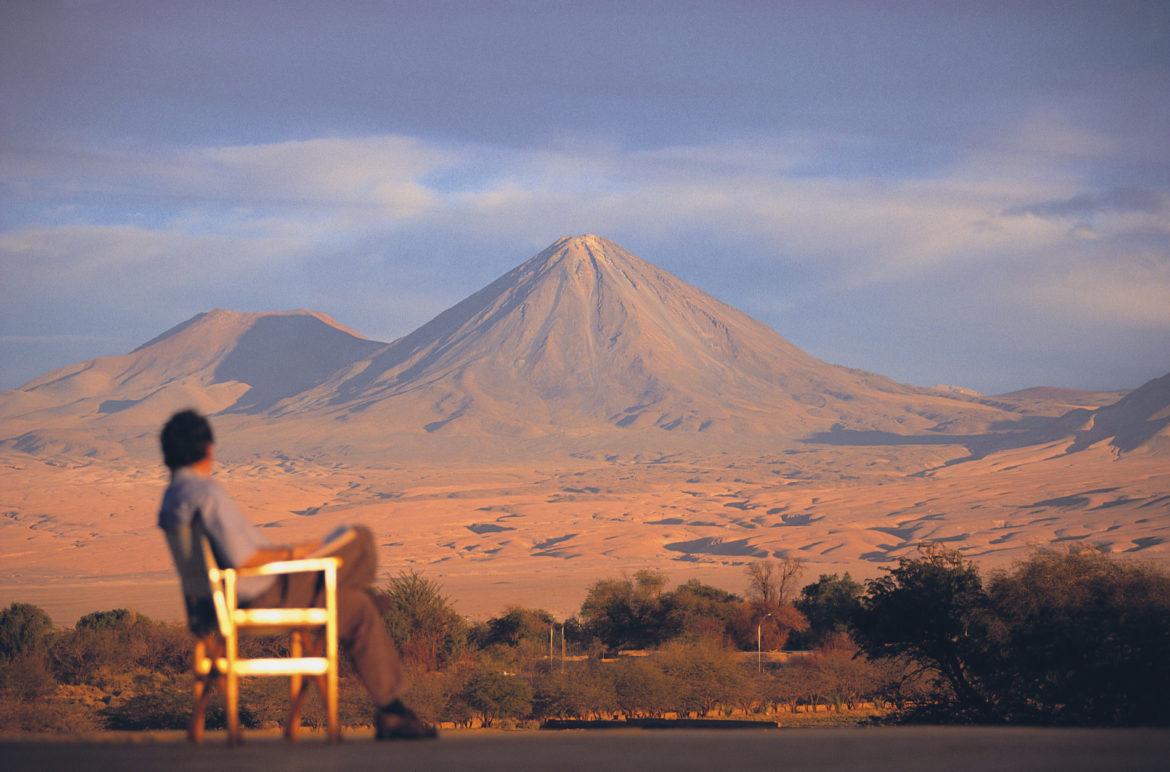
1141 419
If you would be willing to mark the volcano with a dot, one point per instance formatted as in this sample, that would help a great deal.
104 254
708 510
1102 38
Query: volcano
586 336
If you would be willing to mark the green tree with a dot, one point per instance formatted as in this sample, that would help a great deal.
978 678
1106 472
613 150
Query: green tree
829 604
114 619
1085 638
626 613
933 609
428 632
698 611
24 629
516 626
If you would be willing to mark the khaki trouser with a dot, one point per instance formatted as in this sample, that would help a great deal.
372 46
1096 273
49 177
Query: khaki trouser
361 632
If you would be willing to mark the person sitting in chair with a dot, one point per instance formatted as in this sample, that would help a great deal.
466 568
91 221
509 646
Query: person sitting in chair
187 446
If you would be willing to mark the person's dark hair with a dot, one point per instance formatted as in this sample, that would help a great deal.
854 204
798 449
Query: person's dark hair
185 439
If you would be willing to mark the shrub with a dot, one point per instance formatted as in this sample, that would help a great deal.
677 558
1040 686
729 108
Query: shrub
167 706
24 629
641 689
579 691
495 695
26 678
704 676
104 645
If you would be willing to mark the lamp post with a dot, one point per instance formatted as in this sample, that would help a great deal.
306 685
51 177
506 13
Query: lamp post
759 649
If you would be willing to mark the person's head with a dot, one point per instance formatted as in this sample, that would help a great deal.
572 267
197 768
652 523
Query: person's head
186 439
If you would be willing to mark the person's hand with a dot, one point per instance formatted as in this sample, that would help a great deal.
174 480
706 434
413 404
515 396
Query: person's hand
297 551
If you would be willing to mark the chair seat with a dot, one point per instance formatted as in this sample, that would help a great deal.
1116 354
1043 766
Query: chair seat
285 666
280 618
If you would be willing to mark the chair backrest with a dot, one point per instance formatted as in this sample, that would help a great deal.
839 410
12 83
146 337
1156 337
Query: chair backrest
195 561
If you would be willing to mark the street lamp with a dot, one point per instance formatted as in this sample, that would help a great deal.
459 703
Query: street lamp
759 650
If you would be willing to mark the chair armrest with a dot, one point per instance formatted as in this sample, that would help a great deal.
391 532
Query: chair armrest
303 565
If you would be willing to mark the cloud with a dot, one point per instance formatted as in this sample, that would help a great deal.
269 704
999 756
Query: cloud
376 172
66 338
121 257
327 189
395 222
1125 199
1130 292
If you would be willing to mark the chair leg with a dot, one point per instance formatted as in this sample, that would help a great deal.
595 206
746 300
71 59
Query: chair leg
232 700
298 689
200 694
304 644
232 691
328 686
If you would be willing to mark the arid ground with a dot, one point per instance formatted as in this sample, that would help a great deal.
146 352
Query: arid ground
80 536
897 750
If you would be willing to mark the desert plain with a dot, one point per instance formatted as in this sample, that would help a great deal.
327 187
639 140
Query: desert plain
81 536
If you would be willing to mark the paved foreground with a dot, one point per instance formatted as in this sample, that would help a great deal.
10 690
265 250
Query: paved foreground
903 749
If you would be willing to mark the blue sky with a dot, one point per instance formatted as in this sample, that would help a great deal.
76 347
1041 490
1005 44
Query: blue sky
974 194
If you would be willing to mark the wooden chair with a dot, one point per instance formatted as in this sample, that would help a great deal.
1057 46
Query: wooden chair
216 619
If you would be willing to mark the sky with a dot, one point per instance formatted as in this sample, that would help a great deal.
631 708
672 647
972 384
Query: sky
973 194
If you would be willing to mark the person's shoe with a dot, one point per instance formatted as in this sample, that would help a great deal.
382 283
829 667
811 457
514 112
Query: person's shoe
402 724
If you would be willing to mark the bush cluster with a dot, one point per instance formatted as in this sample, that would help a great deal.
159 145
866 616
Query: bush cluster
1072 638
1068 638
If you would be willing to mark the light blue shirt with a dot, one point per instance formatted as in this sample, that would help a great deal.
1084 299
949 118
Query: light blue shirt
233 538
